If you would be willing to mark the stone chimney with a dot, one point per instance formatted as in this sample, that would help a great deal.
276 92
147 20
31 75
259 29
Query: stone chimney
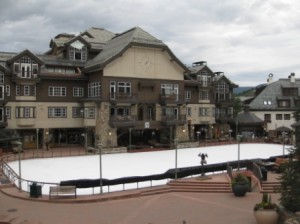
270 78
292 77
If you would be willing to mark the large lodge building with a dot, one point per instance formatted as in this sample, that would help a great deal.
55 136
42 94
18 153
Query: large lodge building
123 89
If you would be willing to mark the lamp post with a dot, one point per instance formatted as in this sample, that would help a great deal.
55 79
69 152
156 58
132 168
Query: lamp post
283 139
37 140
239 137
236 129
198 134
19 143
129 139
86 139
100 165
230 131
176 156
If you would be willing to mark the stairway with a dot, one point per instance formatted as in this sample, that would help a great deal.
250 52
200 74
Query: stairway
200 186
270 186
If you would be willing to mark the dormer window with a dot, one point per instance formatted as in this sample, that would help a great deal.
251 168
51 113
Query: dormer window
25 67
77 51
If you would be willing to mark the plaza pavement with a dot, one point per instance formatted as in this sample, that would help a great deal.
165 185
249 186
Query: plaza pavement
128 207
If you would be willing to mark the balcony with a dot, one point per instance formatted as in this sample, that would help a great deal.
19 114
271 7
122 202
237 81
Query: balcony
25 121
223 118
171 99
30 77
173 120
122 121
131 98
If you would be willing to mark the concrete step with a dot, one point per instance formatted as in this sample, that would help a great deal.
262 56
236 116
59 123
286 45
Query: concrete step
270 187
153 191
200 186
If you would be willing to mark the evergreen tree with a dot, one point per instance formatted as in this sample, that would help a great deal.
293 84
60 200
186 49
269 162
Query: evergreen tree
290 178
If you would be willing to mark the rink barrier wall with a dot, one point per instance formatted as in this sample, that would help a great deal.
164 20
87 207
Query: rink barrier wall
184 172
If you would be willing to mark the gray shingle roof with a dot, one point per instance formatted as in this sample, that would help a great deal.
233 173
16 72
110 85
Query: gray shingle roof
119 43
98 35
248 118
267 99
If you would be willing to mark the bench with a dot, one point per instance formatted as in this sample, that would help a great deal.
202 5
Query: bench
92 150
278 163
62 191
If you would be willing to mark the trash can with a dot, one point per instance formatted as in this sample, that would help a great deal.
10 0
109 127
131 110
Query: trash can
35 190
264 173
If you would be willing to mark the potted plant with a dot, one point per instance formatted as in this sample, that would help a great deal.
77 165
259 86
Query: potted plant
240 185
266 212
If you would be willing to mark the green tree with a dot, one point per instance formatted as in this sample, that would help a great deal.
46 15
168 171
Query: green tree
290 179
296 114
237 106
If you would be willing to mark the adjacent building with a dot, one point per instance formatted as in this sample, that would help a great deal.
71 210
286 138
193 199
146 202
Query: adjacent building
275 104
126 89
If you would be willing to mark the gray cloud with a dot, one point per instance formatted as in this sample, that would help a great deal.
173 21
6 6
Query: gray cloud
243 38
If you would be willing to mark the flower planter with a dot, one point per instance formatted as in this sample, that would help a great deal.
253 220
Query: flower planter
266 216
240 190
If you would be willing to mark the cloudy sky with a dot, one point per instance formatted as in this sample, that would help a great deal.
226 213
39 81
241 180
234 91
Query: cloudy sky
245 39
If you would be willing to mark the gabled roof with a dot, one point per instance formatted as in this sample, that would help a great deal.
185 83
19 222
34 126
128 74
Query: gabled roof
120 43
198 68
271 93
79 38
23 53
97 35
220 77
248 118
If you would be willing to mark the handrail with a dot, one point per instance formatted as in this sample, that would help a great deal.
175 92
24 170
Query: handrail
257 171
229 171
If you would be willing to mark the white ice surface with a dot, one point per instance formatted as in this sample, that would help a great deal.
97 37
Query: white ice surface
54 170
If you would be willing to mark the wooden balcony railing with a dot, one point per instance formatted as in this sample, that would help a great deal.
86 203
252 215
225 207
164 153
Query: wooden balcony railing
123 97
171 120
171 99
122 121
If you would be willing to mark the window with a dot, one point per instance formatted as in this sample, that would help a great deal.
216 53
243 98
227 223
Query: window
77 51
121 111
25 112
170 112
267 102
188 112
26 90
77 112
203 112
1 78
34 90
283 103
17 90
149 112
7 90
222 91
124 87
94 89
267 117
2 92
290 91
203 95
7 112
169 89
188 95
287 117
25 67
278 116
89 112
78 91
57 112
57 91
